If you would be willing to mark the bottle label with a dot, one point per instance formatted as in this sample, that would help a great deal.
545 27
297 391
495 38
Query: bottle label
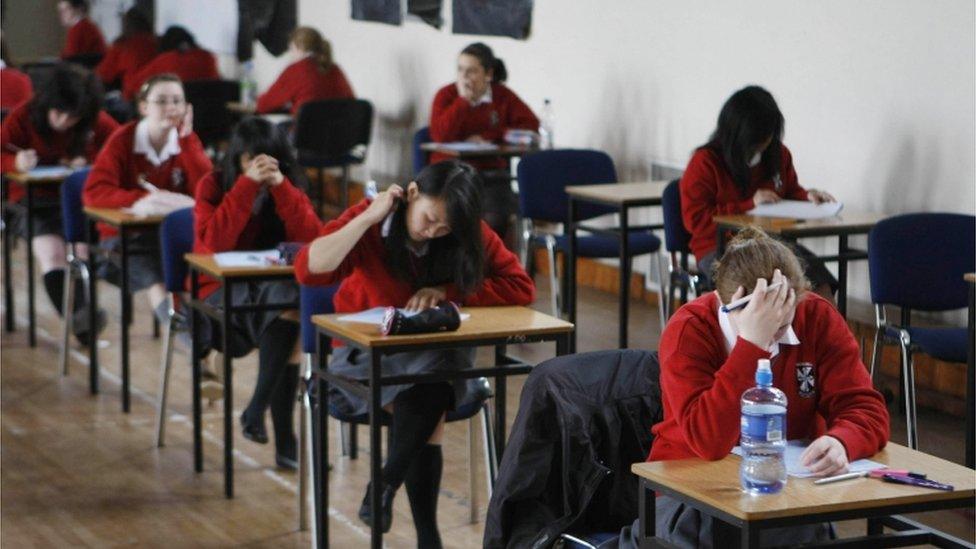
764 425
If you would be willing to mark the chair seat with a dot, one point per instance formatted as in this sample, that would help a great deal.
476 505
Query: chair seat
640 243
465 411
948 344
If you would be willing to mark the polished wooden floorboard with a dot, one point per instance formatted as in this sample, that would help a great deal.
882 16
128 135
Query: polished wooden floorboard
75 471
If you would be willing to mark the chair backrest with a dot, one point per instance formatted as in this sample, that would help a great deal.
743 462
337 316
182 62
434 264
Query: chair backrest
420 157
315 300
72 212
544 176
87 60
334 131
918 260
175 241
676 237
212 121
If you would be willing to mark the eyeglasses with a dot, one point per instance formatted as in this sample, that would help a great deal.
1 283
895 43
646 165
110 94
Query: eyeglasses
162 101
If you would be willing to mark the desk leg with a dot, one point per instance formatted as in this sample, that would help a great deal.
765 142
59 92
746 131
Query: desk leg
195 323
625 264
31 313
842 249
570 265
320 457
750 535
971 381
647 513
126 300
562 345
228 393
875 526
8 287
501 403
719 244
375 449
92 307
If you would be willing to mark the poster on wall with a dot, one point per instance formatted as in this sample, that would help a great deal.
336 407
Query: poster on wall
493 17
378 11
428 10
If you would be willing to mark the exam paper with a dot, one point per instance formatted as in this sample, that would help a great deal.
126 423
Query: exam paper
252 258
795 448
797 209
463 146
375 316
50 171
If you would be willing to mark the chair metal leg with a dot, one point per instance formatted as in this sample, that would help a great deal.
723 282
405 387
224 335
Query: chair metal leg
164 367
304 430
344 438
880 323
353 441
491 457
526 238
472 488
662 313
67 321
908 369
554 296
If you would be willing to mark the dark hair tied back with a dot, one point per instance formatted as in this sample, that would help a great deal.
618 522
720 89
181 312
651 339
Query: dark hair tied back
487 58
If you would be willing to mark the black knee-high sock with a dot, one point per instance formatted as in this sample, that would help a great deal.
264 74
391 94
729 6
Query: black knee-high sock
283 410
423 484
416 413
54 285
274 350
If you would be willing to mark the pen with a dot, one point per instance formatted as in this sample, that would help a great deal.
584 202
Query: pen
922 482
743 301
836 478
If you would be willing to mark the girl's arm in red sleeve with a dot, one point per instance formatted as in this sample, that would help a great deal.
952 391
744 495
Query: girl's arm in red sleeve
787 174
447 115
295 210
705 401
71 43
14 134
195 161
699 191
218 221
277 95
104 187
340 85
855 412
302 272
105 126
506 282
520 116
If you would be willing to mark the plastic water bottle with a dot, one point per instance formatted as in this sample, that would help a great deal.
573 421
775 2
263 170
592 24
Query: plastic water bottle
546 125
249 88
763 435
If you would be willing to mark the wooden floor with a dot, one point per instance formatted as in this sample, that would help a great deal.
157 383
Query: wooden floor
76 471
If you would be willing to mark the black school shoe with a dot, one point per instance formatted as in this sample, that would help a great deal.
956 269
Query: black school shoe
81 327
386 500
286 454
254 432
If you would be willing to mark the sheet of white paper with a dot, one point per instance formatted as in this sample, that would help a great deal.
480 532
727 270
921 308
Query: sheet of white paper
252 258
794 449
375 316
50 171
797 209
462 146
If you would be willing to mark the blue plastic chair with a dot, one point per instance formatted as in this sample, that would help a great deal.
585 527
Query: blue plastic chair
73 223
542 180
318 300
175 241
917 261
420 157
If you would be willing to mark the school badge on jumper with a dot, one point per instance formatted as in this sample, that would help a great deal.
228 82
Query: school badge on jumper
806 381
494 118
176 178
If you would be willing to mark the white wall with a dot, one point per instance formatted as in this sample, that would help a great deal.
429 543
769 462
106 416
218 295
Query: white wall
878 95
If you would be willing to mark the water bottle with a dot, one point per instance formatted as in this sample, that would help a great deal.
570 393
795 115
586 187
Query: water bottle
249 87
763 435
546 125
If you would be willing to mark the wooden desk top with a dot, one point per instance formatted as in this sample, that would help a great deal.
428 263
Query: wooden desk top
969 277
484 323
847 222
26 178
118 218
502 151
647 192
207 264
716 483
239 107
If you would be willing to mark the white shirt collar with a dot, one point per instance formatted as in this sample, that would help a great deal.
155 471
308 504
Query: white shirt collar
486 98
385 232
144 147
788 338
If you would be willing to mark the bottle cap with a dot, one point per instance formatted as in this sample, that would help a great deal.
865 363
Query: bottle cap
764 372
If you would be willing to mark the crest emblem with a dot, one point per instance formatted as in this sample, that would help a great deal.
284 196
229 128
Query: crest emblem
494 118
806 379
176 178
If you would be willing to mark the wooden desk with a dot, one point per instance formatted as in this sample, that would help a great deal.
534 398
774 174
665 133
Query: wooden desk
487 326
125 223
971 375
241 108
623 197
31 184
713 488
502 151
842 226
228 277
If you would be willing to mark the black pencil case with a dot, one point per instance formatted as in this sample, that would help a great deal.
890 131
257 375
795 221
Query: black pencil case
445 317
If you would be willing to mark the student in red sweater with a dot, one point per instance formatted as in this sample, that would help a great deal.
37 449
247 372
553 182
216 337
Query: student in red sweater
62 124
15 87
135 47
142 162
414 247
709 358
251 204
178 54
312 75
84 36
479 108
745 164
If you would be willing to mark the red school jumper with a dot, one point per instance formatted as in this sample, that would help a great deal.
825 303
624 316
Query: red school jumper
366 282
701 384
83 37
452 118
304 81
126 56
223 222
195 64
114 179
15 88
707 190
19 133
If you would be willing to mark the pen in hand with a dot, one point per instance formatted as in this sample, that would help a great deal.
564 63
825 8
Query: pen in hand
743 301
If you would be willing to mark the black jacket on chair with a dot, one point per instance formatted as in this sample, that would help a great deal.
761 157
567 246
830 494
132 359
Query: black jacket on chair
582 421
